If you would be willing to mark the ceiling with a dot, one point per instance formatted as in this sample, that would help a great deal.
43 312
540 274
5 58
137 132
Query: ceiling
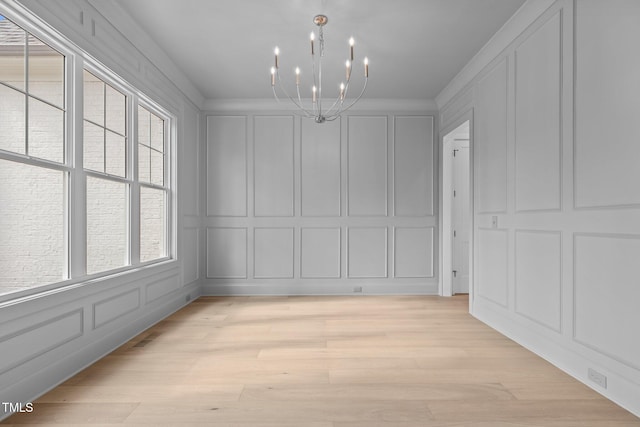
415 47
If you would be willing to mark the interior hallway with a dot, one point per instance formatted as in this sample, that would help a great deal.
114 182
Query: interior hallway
369 361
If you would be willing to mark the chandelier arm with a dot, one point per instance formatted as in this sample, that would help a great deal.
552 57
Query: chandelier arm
336 114
299 97
328 112
344 96
299 105
319 99
313 70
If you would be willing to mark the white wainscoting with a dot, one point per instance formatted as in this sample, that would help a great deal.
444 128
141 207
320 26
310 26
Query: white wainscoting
538 276
557 194
606 115
320 166
413 183
492 269
49 336
227 166
227 253
490 126
367 166
273 166
538 168
607 294
334 208
367 252
273 253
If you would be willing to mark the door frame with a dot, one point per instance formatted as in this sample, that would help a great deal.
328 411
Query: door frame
445 279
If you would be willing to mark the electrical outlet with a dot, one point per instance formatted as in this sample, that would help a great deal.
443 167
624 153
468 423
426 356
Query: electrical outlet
187 298
598 378
357 289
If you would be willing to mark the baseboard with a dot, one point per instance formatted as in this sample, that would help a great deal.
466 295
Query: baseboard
337 287
619 390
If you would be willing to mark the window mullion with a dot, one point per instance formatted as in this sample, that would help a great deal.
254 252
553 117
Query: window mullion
26 93
134 219
77 221
104 128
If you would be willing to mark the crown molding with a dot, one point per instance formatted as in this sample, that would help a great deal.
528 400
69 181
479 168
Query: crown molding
243 105
147 47
520 20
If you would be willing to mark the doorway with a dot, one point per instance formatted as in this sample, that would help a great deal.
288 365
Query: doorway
456 230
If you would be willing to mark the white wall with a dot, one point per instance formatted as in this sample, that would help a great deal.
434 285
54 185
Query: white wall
560 170
296 207
47 337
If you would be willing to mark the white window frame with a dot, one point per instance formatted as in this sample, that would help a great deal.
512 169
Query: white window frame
76 61
169 184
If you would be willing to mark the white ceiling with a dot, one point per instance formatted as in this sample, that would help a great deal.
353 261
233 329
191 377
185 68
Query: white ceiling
415 47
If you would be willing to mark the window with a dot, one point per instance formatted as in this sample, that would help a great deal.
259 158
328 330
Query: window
34 170
102 184
105 160
153 191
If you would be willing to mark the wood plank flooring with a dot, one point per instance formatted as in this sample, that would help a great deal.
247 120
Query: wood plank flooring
360 361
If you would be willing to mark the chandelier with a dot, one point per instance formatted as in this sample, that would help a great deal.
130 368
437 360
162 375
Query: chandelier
315 109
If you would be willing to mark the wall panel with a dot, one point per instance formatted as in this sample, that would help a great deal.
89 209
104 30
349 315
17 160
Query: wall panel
227 253
273 165
114 307
537 111
309 231
367 165
190 176
538 284
320 253
161 288
226 166
492 268
413 248
273 253
320 166
413 166
20 346
191 249
367 252
490 143
607 295
607 151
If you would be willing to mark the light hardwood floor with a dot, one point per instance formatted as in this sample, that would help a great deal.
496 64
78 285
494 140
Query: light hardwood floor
323 362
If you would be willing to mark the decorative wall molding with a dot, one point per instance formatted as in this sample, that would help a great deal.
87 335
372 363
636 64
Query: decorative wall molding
321 159
537 102
148 48
362 255
21 346
115 307
525 16
273 257
611 261
539 294
364 105
414 166
491 132
367 176
492 266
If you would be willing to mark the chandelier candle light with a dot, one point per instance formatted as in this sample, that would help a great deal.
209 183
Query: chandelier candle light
315 111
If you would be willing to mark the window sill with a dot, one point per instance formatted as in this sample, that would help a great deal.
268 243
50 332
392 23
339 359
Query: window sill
14 295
